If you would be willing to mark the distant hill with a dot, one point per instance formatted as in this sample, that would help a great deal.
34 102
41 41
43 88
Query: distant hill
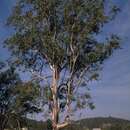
97 122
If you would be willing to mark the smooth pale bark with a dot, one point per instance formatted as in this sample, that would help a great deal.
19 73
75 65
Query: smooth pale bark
55 109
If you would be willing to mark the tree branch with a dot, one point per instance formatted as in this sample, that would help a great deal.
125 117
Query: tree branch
80 78
61 125
40 76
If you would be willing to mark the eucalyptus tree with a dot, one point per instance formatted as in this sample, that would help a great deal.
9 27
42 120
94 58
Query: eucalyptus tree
56 41
16 98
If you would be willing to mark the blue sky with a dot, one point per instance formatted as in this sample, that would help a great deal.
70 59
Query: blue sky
111 94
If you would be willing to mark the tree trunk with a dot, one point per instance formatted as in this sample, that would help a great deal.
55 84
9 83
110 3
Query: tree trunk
55 109
3 122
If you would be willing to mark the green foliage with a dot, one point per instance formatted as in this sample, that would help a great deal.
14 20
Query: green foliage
49 125
16 98
27 95
58 32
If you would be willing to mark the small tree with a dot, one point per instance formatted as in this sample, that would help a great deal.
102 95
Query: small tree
59 36
16 98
